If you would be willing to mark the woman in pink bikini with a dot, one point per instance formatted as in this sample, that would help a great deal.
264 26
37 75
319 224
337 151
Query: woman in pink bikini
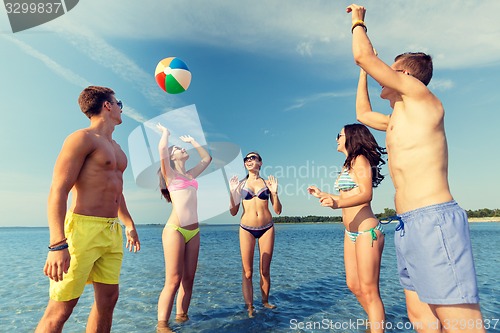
181 239
256 225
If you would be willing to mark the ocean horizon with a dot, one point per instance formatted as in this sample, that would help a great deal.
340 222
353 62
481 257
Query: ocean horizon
307 271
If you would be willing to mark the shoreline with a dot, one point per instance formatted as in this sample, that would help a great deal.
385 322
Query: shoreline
470 219
484 219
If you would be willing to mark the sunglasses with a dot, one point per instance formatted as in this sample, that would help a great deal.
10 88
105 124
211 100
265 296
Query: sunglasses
251 158
339 135
119 103
403 71
174 148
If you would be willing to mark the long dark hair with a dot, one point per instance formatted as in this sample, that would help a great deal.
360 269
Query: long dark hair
163 184
360 141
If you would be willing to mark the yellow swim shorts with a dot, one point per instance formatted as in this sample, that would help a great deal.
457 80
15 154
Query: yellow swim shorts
96 249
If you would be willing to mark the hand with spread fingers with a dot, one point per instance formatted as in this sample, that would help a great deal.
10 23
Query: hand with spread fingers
163 129
272 183
187 138
233 183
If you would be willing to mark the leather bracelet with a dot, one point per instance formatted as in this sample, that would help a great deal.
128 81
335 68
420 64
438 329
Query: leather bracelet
59 248
359 23
57 243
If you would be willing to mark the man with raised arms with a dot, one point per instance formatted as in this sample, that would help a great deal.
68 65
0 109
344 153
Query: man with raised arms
434 254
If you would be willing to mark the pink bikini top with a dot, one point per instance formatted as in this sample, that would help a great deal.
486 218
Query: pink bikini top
180 183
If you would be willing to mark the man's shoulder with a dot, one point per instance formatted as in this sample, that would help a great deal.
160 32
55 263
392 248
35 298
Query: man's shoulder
423 95
81 137
426 106
81 133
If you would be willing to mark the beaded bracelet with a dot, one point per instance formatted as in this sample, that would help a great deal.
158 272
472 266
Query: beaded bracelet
57 243
359 23
59 248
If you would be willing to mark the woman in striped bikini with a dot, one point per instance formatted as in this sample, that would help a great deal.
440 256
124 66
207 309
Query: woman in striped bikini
181 239
364 237
256 225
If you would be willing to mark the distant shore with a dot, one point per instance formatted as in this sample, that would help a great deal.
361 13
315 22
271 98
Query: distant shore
471 220
484 219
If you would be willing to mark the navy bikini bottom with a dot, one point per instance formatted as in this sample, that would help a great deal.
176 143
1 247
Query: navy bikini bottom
257 232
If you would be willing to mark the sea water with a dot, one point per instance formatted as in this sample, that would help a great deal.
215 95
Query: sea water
307 271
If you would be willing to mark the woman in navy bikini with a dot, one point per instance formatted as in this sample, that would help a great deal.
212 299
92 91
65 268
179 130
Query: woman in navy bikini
256 226
364 237
181 239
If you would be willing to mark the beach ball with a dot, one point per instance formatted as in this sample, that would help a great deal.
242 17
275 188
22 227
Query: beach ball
173 75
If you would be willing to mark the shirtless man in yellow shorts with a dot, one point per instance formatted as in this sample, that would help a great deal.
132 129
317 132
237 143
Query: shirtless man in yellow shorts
86 240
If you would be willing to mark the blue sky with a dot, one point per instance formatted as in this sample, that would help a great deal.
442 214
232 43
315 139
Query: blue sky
272 76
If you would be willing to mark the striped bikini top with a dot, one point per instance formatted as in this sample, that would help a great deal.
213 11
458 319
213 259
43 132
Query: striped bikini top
344 181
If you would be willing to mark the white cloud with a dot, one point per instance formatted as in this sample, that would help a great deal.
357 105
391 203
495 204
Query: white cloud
301 102
65 73
133 114
441 85
103 53
304 48
463 33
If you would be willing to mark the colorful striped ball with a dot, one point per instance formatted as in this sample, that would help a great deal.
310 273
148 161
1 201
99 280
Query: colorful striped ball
173 75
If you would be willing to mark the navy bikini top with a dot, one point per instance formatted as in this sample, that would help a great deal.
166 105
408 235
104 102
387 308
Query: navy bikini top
262 194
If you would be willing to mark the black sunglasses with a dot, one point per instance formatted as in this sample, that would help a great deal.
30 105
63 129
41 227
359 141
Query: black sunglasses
251 158
339 135
403 71
175 148
119 103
